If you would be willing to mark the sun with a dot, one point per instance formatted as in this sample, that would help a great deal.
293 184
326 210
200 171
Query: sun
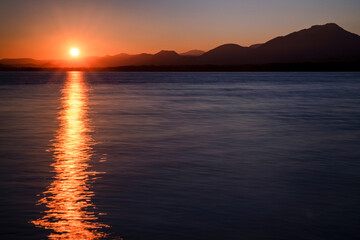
74 52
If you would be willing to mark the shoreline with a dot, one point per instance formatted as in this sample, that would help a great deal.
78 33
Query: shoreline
274 67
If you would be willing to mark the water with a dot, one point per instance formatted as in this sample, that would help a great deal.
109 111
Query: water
179 155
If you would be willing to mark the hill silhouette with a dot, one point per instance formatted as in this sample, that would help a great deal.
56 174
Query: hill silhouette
317 44
194 52
226 54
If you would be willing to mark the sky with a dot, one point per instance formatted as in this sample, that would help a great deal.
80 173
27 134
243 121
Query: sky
48 29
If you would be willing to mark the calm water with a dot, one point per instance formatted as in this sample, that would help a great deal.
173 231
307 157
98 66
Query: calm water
168 156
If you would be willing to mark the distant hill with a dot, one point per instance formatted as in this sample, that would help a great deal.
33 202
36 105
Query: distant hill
255 45
320 43
22 62
194 52
225 54
324 43
327 42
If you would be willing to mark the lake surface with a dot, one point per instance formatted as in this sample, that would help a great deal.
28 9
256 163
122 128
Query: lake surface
170 156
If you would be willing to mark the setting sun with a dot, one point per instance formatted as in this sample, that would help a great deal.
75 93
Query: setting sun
74 52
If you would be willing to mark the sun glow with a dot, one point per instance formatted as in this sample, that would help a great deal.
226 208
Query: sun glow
74 52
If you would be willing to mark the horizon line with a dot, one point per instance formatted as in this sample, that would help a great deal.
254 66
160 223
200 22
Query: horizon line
171 50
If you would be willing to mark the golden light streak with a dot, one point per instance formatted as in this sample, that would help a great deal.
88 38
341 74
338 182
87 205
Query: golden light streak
70 212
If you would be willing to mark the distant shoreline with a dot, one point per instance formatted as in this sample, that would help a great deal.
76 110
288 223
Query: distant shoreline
275 67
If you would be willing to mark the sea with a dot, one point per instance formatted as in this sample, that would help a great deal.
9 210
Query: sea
180 155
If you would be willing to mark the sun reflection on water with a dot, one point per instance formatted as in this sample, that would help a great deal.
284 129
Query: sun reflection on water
70 211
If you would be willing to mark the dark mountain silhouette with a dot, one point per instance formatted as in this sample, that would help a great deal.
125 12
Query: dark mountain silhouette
255 45
166 53
29 62
327 42
320 43
165 57
225 54
194 52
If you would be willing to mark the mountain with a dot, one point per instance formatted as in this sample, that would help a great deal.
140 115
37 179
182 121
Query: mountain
165 57
319 43
194 52
23 62
255 45
225 54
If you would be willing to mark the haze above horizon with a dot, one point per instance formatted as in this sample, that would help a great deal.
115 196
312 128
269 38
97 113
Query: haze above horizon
48 29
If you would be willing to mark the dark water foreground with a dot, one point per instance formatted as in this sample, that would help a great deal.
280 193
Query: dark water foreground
169 156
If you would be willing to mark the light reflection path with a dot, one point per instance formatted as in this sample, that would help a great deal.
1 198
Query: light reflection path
70 212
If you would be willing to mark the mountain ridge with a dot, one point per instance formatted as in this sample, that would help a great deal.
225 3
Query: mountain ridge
319 43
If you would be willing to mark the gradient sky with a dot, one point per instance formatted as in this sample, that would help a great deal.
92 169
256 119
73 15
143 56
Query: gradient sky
47 29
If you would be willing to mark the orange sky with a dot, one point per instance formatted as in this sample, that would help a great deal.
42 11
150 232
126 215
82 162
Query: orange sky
49 29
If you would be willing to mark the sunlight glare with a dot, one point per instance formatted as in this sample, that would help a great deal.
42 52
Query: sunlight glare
70 211
74 52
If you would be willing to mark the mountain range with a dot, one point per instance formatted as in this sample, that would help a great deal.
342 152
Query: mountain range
317 44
